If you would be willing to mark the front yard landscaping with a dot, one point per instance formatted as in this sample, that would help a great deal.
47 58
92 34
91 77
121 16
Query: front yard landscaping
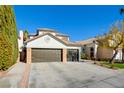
8 38
113 66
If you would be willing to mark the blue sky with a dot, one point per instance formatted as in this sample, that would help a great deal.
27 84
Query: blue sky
79 22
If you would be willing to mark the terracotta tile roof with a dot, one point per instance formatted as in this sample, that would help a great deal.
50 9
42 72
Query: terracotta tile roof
68 43
59 34
71 43
88 41
32 34
46 30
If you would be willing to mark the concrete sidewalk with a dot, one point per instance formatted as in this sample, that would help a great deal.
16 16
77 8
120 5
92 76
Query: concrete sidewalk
13 77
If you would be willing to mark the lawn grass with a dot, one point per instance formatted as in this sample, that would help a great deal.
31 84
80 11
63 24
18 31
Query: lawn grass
115 65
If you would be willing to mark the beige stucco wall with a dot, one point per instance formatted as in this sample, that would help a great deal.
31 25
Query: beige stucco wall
42 42
64 55
119 54
87 51
20 40
104 53
29 56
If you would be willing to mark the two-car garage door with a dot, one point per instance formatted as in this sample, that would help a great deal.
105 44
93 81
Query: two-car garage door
46 55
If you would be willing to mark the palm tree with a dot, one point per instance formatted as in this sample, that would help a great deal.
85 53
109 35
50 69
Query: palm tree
25 35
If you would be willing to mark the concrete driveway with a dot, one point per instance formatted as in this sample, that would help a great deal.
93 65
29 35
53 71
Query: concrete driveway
74 75
62 75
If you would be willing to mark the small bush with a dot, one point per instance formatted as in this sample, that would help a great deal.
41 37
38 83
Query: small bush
84 56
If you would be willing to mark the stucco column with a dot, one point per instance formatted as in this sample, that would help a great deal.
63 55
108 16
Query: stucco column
95 51
64 55
18 60
28 55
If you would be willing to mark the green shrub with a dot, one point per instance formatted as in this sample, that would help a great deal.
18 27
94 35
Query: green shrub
5 54
8 38
84 56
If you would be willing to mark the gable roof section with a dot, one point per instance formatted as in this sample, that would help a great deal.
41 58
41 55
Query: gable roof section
67 43
46 30
88 41
63 35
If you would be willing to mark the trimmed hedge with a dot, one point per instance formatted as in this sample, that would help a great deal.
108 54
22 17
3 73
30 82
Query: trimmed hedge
8 38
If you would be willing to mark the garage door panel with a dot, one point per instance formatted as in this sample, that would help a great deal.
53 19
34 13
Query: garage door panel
46 55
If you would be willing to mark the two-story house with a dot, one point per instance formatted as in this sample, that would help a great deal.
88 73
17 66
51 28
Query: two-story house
48 45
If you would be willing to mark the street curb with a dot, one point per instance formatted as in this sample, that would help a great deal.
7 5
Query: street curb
25 78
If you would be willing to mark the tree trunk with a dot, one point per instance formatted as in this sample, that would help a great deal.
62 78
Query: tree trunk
123 55
116 51
111 60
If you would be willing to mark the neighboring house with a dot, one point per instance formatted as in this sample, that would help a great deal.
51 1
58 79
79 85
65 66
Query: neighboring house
50 46
20 41
91 49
